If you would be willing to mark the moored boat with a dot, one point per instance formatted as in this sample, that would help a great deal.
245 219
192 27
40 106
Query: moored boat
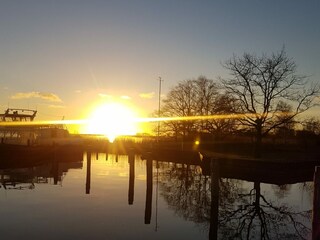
17 128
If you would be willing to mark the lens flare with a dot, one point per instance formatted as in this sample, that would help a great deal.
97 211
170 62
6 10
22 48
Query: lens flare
114 117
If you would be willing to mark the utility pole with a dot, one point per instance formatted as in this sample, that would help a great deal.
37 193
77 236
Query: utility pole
157 164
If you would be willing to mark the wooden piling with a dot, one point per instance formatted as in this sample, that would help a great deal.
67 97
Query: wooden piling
316 205
214 212
131 179
88 177
147 214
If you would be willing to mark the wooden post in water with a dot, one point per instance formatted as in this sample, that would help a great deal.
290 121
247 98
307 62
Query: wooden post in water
55 166
88 178
316 205
55 170
131 179
147 213
214 212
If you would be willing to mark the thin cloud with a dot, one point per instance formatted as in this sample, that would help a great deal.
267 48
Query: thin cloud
57 106
43 95
103 95
126 97
147 95
78 91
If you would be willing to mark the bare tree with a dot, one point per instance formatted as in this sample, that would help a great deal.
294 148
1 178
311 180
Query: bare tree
260 83
285 115
196 98
224 104
180 102
207 91
311 125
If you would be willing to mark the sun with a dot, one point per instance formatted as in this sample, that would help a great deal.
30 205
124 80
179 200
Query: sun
112 120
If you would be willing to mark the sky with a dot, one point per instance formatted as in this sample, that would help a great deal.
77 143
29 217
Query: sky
64 57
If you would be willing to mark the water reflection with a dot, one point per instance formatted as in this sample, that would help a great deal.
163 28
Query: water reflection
259 216
147 214
223 202
29 171
214 208
234 209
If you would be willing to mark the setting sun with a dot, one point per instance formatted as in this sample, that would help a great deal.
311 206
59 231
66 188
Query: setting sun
112 120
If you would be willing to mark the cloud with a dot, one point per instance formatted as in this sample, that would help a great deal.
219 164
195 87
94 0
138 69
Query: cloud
147 95
46 96
103 95
57 106
78 91
126 97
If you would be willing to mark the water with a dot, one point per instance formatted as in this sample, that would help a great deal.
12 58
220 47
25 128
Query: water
108 196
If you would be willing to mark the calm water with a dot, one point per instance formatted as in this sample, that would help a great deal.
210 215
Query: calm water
108 196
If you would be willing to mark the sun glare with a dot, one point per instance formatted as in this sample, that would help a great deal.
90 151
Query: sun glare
112 120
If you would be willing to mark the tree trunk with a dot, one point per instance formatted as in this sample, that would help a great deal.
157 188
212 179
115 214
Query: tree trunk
258 143
257 195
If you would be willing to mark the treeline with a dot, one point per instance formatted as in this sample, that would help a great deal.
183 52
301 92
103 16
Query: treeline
262 96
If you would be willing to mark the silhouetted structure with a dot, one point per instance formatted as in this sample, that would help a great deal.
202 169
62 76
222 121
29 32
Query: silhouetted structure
88 177
214 211
17 114
131 178
316 205
147 215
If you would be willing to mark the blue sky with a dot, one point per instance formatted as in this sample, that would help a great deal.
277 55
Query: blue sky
61 57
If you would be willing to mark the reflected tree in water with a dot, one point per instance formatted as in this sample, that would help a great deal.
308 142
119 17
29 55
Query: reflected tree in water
243 213
308 187
255 216
187 191
281 191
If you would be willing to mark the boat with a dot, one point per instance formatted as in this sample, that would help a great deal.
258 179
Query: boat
17 128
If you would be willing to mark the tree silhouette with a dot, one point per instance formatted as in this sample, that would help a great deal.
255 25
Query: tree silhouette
197 97
180 102
260 84
311 125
